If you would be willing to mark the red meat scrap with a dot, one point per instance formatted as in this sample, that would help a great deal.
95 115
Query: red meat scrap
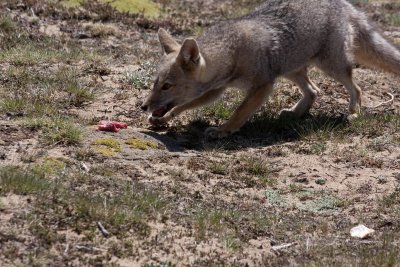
111 126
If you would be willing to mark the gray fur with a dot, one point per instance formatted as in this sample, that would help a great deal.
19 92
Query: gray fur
283 36
280 38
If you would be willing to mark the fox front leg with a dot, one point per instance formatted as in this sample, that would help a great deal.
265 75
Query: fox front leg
200 101
253 101
309 91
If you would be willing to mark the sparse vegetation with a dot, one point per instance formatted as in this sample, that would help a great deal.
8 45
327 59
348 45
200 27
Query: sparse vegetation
218 168
56 130
323 203
141 78
6 24
102 30
17 181
275 198
393 19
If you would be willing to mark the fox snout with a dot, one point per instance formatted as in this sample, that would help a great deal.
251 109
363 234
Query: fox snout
149 103
145 104
156 105
144 107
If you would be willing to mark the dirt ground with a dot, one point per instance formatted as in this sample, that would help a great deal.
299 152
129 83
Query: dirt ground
278 193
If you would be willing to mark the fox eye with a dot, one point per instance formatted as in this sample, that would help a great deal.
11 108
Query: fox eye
166 86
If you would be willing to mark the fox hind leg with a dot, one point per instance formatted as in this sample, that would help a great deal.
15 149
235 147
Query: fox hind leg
309 91
355 96
343 73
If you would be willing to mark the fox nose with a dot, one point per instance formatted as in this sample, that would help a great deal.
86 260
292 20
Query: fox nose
144 107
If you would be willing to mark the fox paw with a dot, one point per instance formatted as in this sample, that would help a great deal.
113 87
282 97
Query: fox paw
352 117
157 121
216 133
288 113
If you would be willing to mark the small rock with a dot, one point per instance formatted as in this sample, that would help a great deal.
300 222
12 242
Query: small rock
198 195
320 181
361 231
382 180
302 180
85 167
82 35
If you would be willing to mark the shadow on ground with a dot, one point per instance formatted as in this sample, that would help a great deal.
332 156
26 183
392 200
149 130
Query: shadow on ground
263 130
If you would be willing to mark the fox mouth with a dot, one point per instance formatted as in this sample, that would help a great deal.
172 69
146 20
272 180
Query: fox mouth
161 111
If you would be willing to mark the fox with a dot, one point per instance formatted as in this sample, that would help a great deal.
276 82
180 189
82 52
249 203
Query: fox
281 38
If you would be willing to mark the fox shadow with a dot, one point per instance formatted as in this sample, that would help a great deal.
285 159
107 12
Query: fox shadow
261 131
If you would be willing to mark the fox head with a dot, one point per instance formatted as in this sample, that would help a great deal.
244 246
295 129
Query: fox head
178 78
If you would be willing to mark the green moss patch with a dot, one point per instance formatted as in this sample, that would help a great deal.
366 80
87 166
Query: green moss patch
141 144
146 7
108 147
108 142
50 166
105 151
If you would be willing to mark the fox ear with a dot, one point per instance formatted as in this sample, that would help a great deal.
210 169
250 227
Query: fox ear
168 43
189 53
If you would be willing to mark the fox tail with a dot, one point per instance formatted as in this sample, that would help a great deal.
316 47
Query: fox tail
373 50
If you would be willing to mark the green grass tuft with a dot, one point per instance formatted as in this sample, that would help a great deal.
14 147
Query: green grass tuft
18 181
56 129
7 25
37 94
218 168
393 19
102 30
219 110
123 208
